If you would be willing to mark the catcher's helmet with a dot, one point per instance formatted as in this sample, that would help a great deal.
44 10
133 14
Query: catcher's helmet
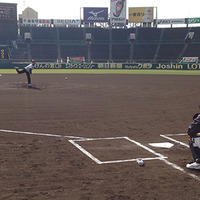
195 116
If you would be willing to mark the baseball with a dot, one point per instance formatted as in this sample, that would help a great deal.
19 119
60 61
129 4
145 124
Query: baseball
65 78
140 162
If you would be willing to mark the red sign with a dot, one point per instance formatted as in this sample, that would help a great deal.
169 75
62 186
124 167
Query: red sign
190 59
76 59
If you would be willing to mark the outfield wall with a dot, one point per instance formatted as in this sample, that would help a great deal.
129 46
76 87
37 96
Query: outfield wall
145 65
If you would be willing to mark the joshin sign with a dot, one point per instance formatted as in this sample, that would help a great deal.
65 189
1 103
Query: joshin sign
118 11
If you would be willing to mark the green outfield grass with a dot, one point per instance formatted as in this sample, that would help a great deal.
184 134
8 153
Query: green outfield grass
105 71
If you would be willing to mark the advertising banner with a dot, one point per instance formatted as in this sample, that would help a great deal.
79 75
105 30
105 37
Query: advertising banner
141 14
190 59
171 21
36 21
57 22
95 14
128 66
65 22
118 11
163 66
193 20
75 59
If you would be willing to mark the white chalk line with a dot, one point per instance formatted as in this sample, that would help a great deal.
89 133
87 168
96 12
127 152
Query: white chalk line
177 134
160 156
173 140
85 152
167 136
39 134
129 160
74 142
180 169
144 147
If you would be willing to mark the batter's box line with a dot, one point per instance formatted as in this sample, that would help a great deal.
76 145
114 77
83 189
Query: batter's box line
129 160
40 134
169 137
161 157
74 142
88 139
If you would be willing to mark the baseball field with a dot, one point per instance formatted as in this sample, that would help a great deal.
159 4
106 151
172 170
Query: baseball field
79 138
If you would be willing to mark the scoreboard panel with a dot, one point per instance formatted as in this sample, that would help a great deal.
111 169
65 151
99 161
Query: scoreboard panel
8 21
7 13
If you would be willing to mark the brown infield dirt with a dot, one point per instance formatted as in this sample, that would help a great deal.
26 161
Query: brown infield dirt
46 153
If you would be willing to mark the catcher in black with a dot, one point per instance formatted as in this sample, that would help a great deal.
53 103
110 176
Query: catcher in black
194 142
28 70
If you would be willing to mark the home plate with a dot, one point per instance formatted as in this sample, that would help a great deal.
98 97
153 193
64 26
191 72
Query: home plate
162 145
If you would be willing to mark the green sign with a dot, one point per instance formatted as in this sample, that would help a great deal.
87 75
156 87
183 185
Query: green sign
193 20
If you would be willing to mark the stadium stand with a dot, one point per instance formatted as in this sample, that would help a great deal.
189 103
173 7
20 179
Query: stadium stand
43 33
52 42
196 30
121 52
192 50
152 44
100 52
71 34
144 52
20 52
148 34
44 51
174 34
71 50
99 35
170 51
120 35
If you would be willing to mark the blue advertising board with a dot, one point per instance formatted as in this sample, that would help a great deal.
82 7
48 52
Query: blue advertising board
95 14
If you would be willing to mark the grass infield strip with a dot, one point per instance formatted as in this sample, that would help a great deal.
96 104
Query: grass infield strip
105 71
